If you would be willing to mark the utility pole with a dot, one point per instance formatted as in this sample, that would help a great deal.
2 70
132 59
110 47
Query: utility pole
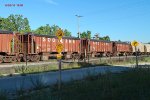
79 35
59 49
78 19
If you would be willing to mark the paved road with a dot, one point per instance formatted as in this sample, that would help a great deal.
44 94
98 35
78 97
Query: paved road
12 84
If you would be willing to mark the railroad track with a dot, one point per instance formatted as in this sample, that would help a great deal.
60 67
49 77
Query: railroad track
54 61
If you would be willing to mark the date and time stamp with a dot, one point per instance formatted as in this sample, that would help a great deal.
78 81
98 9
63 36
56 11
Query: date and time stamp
13 5
8 4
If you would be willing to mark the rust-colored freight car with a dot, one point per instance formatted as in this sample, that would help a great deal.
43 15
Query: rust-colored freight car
5 42
101 48
44 46
122 48
9 44
47 45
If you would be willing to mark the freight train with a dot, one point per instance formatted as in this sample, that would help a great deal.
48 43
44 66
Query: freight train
16 47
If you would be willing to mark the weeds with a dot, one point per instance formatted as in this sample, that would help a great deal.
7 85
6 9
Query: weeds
130 85
3 95
37 83
23 70
20 88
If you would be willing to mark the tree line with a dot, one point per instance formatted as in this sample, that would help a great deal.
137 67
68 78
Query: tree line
20 24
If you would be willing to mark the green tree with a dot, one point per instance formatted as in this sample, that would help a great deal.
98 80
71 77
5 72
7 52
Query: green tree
3 23
119 40
83 35
86 34
67 33
50 30
39 30
15 23
26 26
89 34
54 28
107 38
101 38
46 30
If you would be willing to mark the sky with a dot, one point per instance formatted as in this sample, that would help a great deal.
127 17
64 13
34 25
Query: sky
124 20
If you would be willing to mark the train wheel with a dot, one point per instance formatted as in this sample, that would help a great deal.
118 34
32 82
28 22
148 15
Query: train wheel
73 57
7 59
77 56
127 54
108 54
20 57
32 58
37 58
1 59
13 59
26 58
81 57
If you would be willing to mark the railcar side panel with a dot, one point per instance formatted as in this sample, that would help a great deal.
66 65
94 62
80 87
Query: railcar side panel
45 44
147 46
140 48
6 43
77 45
123 47
66 45
70 45
101 46
48 44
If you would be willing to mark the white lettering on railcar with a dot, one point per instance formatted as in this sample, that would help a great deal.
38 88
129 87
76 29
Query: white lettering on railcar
44 39
37 47
48 39
69 41
53 39
66 49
